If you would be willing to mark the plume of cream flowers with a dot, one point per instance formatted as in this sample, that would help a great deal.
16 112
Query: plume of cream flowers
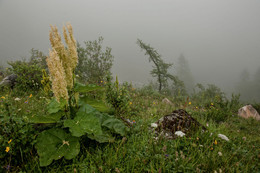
72 45
59 85
62 61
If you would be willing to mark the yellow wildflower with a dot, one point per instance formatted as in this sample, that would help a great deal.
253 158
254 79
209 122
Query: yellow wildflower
7 149
130 103
3 97
30 95
9 141
212 104
101 81
189 103
216 142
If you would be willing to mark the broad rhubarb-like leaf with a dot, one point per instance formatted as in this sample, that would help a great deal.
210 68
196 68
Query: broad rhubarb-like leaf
86 122
55 112
49 118
115 125
53 144
55 106
97 104
86 88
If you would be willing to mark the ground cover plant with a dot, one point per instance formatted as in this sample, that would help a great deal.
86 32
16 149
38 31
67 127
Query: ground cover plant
67 126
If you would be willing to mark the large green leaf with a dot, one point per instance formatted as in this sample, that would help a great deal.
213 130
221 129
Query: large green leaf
105 137
97 104
96 125
55 112
55 106
86 88
110 125
55 143
49 118
115 125
86 121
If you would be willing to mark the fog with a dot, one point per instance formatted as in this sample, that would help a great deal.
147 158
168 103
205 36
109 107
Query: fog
219 38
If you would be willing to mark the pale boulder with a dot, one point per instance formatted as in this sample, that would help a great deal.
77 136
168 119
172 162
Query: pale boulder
248 111
167 101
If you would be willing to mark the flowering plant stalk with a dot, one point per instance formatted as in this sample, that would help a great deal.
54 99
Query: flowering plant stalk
71 107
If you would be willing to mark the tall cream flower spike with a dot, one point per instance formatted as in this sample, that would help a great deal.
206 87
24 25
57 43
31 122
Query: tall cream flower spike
59 85
62 61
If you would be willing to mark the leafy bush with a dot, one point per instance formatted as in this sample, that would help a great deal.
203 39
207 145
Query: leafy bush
94 63
257 107
221 109
208 95
118 96
38 57
17 136
148 90
29 75
29 72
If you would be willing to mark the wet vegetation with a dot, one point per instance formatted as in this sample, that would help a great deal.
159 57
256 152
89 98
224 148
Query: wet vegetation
102 125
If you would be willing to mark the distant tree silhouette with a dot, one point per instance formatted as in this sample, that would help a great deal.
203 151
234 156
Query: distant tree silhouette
257 76
160 68
184 73
244 76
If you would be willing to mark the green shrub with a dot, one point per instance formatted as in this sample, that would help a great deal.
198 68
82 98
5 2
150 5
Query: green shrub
29 75
37 57
207 95
17 136
118 96
257 107
94 63
221 109
149 90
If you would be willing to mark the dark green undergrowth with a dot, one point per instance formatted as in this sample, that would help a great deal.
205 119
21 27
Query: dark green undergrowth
138 151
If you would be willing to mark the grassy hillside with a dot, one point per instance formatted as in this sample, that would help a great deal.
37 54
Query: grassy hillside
138 151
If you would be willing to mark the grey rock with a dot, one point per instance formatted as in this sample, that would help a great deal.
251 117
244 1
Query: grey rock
9 80
178 120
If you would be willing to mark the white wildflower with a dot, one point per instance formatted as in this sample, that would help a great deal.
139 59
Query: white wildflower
219 153
154 125
179 133
17 99
156 138
223 137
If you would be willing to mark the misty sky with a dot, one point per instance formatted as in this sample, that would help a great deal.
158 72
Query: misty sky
219 38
